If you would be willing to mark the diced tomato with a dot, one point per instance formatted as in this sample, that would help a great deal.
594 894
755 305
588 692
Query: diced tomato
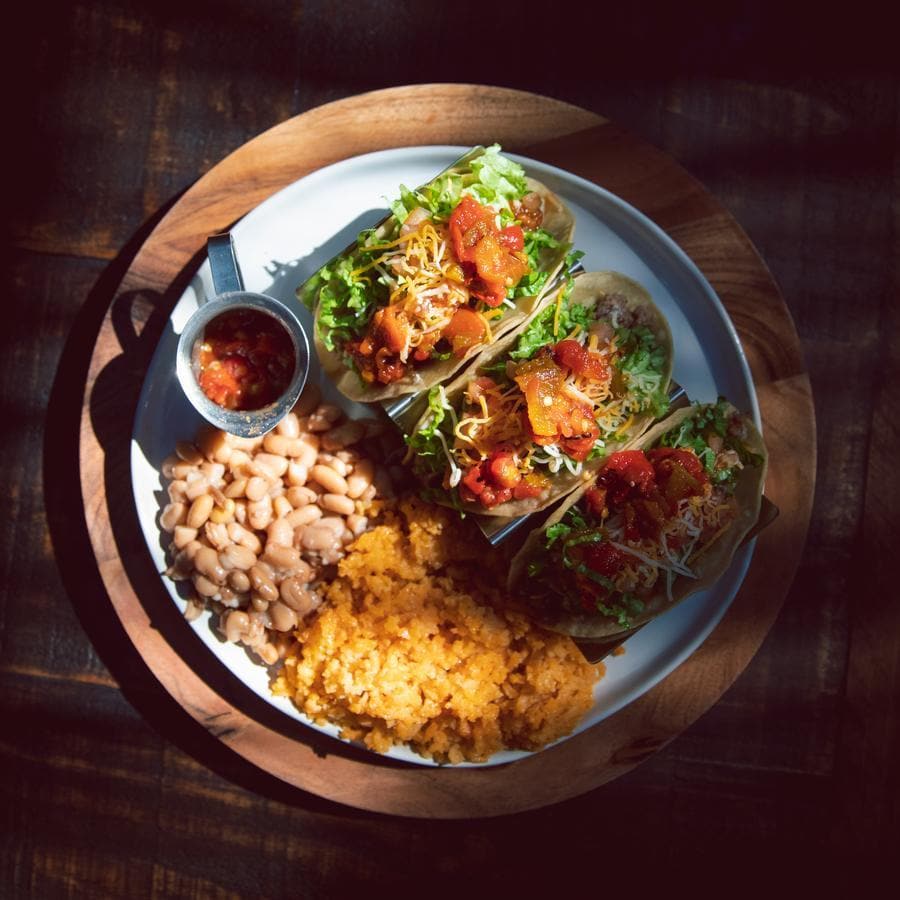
680 474
491 294
649 517
388 368
541 381
554 416
425 346
595 500
604 559
476 240
465 330
686 458
512 238
503 470
532 485
625 473
571 355
469 223
579 447
483 481
390 328
472 481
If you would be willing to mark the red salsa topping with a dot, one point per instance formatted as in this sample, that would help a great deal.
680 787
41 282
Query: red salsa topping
245 360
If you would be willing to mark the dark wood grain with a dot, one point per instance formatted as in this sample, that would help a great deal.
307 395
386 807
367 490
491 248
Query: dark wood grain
789 120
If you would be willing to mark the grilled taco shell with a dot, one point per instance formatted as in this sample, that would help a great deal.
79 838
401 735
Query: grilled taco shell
594 290
709 561
557 220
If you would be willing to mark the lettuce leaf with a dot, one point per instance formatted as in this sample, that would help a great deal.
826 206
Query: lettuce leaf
643 361
425 443
345 302
540 331
694 433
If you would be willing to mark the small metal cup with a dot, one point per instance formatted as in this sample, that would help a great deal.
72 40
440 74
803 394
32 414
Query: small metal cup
230 295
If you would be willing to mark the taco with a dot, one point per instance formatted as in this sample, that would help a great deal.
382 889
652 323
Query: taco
538 412
661 521
457 264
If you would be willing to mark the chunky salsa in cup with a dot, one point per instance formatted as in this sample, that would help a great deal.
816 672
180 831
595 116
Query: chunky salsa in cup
245 360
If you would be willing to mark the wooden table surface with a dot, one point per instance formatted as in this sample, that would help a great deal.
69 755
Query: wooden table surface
111 789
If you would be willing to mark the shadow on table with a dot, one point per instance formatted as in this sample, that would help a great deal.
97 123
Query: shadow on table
140 320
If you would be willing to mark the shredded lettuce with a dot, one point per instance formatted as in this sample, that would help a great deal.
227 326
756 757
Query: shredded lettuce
695 431
492 179
426 443
540 331
344 300
642 362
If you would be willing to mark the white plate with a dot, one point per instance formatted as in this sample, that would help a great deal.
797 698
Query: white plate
285 239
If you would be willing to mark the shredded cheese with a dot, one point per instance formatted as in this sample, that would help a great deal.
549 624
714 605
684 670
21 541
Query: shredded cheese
708 514
425 282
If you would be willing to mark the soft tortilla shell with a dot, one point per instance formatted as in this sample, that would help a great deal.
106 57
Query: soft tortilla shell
589 289
714 559
558 221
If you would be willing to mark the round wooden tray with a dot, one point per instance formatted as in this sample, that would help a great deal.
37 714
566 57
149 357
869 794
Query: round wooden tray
557 133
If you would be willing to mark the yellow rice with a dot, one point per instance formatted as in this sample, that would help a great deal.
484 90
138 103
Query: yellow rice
412 646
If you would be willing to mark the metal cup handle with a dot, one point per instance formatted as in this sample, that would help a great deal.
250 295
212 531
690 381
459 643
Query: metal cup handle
226 274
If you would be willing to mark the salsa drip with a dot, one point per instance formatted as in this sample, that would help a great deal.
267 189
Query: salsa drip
446 276
543 409
245 360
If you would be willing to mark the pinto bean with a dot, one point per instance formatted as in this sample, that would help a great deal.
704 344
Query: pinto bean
338 503
237 624
303 516
186 451
318 538
257 488
329 479
295 594
262 583
360 478
245 538
270 465
281 506
281 557
300 495
297 473
238 581
334 462
283 617
206 562
289 426
173 514
177 491
260 513
234 556
280 532
183 535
